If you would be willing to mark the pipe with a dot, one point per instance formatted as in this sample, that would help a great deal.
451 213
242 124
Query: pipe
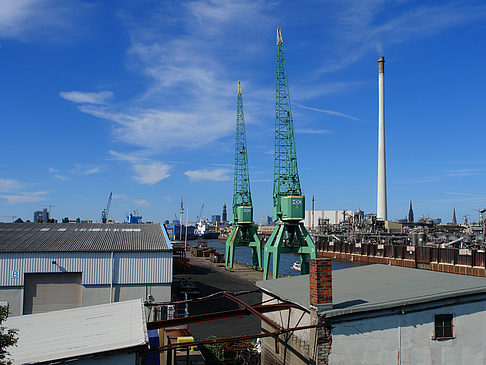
111 277
381 212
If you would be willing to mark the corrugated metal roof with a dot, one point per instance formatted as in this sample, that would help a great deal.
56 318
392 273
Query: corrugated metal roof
82 237
376 287
76 332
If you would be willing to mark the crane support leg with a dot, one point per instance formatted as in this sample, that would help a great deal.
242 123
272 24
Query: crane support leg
243 235
288 238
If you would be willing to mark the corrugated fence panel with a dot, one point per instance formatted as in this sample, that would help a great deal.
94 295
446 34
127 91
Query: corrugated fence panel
143 267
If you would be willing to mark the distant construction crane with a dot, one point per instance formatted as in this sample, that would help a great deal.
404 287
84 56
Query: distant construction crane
290 235
106 211
201 212
9 216
244 232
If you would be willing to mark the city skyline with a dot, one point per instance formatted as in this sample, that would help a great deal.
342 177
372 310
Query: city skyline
140 99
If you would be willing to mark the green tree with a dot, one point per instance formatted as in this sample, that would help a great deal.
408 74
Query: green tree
8 337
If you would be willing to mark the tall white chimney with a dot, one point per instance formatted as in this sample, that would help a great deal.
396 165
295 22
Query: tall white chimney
381 198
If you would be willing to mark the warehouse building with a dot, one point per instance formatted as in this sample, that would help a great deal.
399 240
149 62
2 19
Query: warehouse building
47 266
377 314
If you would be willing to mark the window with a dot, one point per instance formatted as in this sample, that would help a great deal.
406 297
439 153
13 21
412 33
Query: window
443 326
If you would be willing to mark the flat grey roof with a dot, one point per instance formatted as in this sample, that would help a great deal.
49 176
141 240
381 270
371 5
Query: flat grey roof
376 287
67 333
79 237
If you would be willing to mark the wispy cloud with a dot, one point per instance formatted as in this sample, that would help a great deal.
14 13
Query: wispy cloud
456 197
14 192
146 171
181 51
312 131
418 180
26 20
327 111
465 172
80 169
136 202
205 174
24 197
370 26
57 174
10 185
80 97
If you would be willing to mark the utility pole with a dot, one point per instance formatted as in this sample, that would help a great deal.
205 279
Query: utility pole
182 212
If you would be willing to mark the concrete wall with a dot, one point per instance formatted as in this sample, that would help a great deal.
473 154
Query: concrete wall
407 338
95 294
293 348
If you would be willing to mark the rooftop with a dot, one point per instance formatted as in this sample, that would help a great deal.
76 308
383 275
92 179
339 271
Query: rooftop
377 287
77 332
62 237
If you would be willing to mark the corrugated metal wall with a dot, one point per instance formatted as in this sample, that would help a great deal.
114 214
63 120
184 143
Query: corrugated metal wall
128 267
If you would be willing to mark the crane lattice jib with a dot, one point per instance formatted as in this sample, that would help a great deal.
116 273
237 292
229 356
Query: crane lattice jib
241 195
286 177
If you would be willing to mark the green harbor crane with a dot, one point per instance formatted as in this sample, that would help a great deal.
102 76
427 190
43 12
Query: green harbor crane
244 232
290 235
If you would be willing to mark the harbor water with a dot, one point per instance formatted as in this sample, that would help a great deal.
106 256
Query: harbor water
243 255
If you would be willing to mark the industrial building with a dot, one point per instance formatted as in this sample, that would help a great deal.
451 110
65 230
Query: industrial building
312 218
377 314
48 266
113 333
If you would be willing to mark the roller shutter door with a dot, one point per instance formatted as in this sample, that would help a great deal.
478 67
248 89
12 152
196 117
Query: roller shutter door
51 291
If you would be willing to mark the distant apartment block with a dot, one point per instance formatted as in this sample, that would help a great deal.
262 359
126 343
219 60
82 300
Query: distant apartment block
266 220
41 216
215 218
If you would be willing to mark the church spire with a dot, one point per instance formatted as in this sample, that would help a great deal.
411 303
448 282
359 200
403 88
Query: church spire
410 213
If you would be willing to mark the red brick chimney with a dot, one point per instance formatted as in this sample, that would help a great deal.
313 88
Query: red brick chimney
320 276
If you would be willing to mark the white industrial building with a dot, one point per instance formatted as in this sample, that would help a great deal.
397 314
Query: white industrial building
108 334
47 266
332 216
379 314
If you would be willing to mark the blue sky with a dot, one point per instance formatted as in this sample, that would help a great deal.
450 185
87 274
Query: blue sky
139 98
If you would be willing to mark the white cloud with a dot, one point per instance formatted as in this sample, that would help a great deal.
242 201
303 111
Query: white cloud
190 98
327 111
7 185
151 173
137 202
312 131
205 174
81 169
24 197
57 174
465 172
366 25
12 192
83 97
146 170
29 19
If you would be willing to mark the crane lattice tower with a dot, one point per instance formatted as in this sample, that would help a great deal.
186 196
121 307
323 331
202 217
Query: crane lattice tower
290 235
244 232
